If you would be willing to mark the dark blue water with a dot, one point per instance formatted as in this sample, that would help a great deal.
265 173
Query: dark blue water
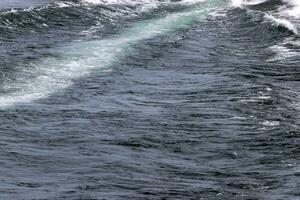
149 100
9 4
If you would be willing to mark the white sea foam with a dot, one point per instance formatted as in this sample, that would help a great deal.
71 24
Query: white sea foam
49 75
287 16
118 2
294 9
270 123
290 9
144 5
283 53
64 4
240 3
237 3
282 22
135 2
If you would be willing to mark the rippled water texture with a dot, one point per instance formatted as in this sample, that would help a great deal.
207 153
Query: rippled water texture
149 99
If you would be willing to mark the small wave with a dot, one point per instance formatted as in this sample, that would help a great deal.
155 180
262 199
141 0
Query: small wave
283 14
58 16
63 12
289 49
282 23
241 3
138 2
284 8
65 4
270 123
145 5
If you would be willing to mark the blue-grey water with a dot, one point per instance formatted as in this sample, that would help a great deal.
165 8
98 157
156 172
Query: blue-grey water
149 99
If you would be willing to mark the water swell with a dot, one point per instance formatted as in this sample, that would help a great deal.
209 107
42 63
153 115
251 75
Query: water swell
132 101
284 15
59 16
46 75
51 74
74 15
276 11
282 23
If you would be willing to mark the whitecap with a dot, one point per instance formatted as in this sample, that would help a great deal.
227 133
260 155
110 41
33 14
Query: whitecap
293 10
270 123
282 22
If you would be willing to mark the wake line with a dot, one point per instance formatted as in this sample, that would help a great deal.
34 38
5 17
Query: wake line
79 59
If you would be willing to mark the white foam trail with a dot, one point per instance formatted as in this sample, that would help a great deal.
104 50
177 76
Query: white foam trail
52 74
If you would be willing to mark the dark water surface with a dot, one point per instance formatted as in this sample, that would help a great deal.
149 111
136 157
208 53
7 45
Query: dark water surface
149 100
8 4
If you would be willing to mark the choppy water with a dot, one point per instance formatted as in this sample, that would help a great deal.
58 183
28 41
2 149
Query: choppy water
148 99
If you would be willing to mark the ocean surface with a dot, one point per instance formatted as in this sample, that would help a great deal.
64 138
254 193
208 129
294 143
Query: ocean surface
150 99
